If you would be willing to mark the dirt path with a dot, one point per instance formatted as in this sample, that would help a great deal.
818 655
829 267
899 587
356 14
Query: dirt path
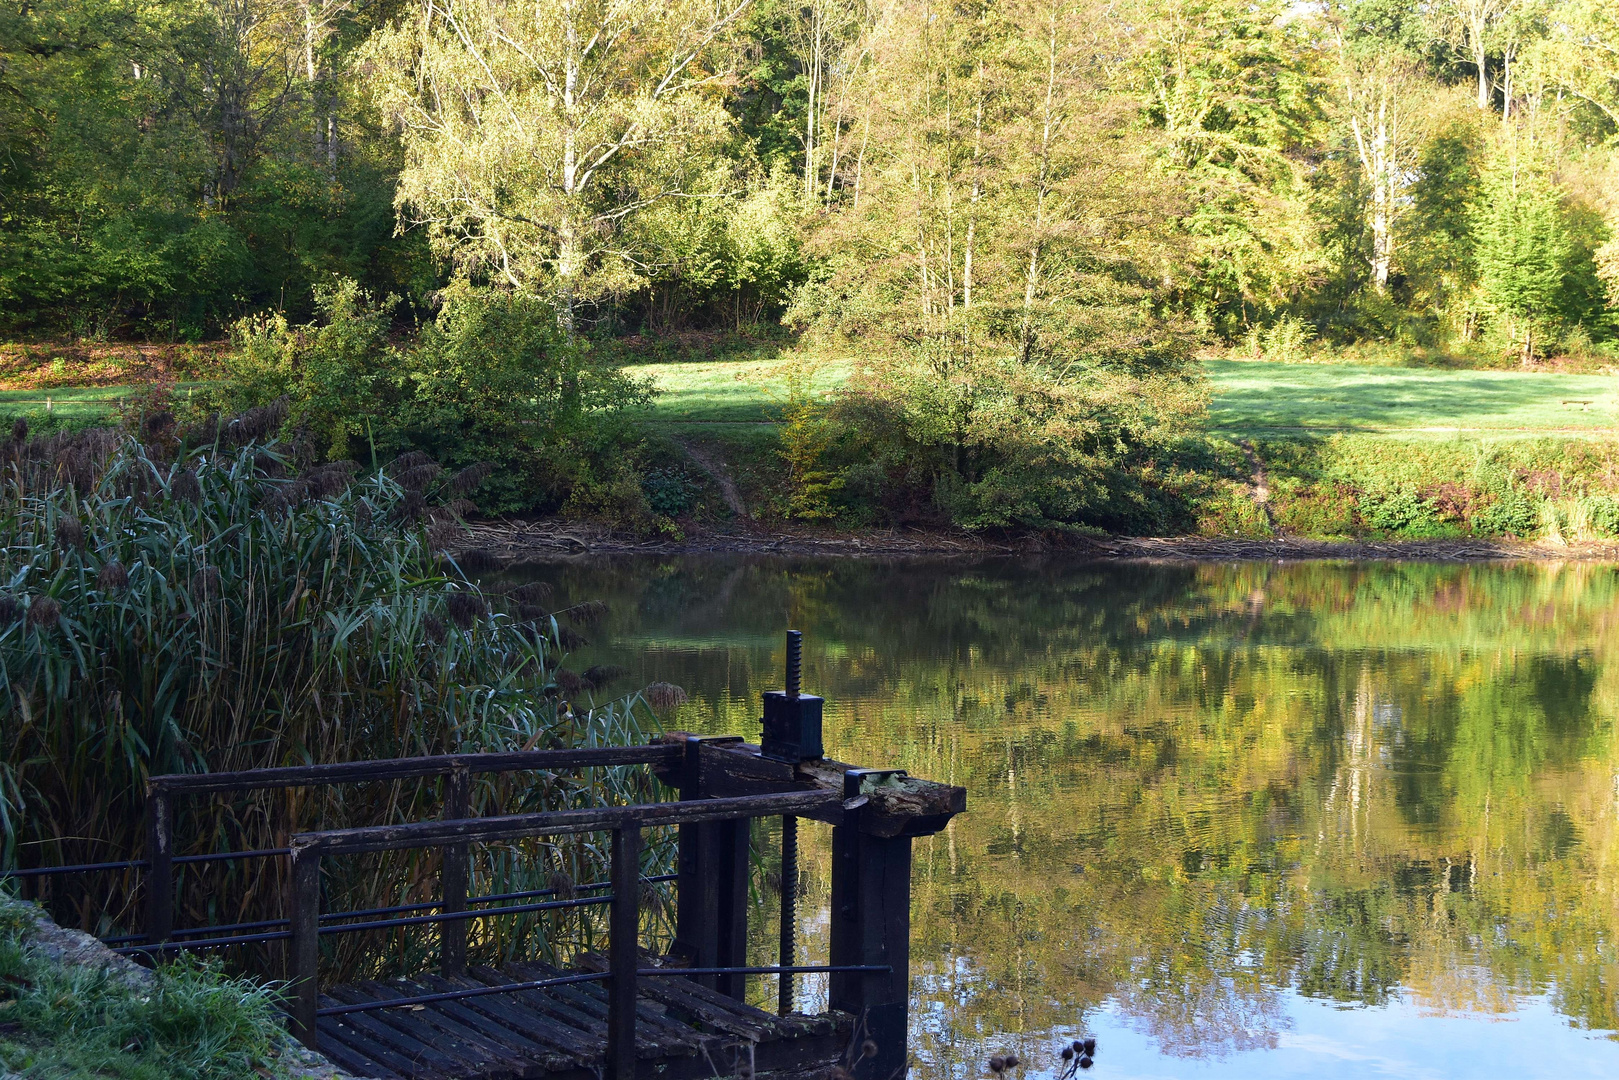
1260 483
710 463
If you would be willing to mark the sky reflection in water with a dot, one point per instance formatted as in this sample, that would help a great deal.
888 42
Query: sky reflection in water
1237 820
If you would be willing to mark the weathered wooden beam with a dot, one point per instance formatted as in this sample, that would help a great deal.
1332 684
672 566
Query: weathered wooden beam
453 880
702 885
817 804
304 949
871 925
159 867
624 952
898 806
350 772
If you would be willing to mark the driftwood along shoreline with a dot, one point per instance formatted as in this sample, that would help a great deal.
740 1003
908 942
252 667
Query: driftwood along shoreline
515 540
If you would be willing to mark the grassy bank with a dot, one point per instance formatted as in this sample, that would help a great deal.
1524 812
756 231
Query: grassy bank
71 1012
1330 450
1315 450
1264 398
1248 398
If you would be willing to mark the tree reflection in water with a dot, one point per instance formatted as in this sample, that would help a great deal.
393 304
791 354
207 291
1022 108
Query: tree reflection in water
1197 792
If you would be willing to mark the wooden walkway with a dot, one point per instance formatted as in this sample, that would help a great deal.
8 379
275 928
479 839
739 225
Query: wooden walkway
684 1030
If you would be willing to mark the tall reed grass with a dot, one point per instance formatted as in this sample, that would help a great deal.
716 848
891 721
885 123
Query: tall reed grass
199 603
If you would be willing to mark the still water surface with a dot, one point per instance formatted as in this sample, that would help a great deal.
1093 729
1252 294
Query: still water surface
1235 820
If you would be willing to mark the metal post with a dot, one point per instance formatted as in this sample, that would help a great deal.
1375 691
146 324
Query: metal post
871 924
304 912
795 661
789 911
623 952
159 867
789 846
453 935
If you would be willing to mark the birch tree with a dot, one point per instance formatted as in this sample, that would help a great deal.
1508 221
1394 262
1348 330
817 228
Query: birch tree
831 43
1470 26
1372 86
534 132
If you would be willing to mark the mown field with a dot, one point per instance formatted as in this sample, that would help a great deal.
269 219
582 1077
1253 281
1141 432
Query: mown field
1248 398
69 403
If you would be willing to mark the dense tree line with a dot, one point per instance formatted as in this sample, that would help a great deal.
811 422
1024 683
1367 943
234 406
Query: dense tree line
1004 176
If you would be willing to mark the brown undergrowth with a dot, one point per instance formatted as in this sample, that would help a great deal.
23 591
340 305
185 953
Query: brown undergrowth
47 366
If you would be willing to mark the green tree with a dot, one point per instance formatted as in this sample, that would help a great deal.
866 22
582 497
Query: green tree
1005 244
1523 248
532 134
1237 90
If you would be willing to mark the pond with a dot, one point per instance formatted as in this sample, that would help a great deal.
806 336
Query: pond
1256 820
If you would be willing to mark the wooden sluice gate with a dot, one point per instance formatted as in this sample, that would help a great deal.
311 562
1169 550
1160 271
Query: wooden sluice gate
626 1013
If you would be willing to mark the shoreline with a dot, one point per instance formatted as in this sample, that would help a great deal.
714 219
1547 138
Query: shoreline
516 541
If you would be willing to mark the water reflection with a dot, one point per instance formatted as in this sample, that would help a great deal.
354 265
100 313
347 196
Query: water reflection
1238 820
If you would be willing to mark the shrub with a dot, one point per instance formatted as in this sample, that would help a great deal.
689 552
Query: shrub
1602 513
1514 514
490 379
196 605
1319 510
1402 510
1231 511
806 436
669 491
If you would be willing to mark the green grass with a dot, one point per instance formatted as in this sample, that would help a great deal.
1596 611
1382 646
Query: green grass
1249 398
1267 398
67 403
61 1022
733 391
72 406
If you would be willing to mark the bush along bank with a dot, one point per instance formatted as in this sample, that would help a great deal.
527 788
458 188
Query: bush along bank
1341 487
1366 487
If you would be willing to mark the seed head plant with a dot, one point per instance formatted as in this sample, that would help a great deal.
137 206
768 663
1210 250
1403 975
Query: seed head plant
207 605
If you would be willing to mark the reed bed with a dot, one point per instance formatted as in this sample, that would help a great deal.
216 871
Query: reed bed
184 602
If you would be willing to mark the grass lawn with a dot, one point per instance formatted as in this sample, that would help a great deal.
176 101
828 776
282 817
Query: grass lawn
67 402
1265 398
732 391
1248 398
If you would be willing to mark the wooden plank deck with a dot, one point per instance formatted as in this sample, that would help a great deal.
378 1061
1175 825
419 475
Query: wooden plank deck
683 1030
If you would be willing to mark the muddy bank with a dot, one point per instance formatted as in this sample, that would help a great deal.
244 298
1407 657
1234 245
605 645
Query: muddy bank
516 540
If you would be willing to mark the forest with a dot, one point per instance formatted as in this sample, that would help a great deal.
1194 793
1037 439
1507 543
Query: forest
1028 218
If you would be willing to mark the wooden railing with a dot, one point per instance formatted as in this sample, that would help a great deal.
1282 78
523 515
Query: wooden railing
456 769
624 822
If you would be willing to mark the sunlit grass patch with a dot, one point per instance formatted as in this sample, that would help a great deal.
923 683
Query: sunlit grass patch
1268 398
736 391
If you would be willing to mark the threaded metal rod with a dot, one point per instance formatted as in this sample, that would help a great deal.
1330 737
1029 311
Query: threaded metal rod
789 911
795 661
